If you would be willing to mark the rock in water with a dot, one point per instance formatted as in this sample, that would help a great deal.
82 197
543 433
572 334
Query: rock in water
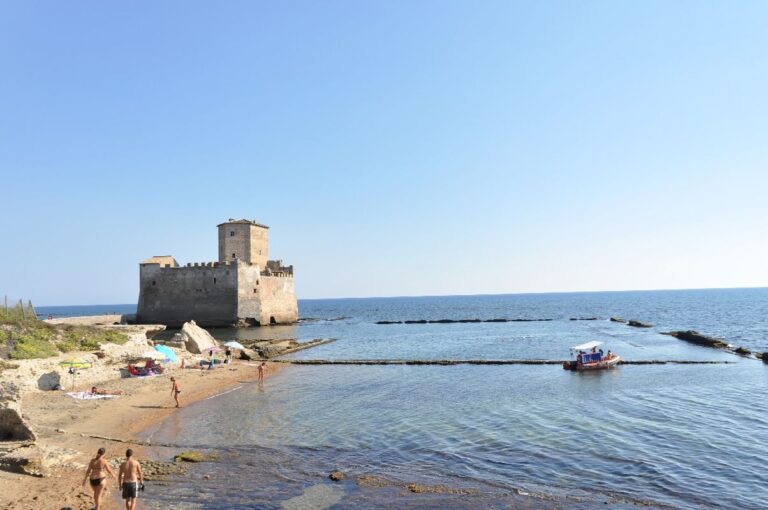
12 425
336 476
196 339
638 324
697 338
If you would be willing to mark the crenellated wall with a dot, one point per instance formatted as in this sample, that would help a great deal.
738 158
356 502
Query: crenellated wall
205 293
215 294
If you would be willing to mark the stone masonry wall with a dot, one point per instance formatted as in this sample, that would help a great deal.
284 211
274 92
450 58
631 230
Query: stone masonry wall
206 294
249 295
237 245
278 300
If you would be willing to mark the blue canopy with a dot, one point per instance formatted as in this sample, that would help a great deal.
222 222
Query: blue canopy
169 354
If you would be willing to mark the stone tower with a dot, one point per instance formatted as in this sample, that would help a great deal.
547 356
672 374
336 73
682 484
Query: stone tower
244 240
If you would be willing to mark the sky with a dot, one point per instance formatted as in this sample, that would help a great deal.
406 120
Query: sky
394 147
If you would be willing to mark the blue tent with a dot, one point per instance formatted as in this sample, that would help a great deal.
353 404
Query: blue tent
167 352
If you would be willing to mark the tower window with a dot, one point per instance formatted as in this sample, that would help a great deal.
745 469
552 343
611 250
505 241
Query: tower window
233 255
231 233
214 281
255 291
153 282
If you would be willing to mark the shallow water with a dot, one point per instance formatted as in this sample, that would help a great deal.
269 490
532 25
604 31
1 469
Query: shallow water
685 436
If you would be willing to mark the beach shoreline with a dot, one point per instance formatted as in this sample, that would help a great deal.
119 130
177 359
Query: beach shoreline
71 431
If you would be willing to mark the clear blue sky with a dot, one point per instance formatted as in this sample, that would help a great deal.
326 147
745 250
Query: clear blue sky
395 148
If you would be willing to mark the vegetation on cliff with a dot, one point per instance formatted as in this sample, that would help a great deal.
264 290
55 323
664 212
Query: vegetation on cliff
23 336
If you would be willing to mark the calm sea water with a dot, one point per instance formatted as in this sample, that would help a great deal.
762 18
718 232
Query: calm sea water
680 436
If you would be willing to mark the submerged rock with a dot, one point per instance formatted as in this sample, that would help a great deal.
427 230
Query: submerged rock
743 351
336 476
618 319
638 324
194 456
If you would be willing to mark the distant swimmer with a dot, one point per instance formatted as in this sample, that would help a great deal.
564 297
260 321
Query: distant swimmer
131 479
96 474
262 367
175 390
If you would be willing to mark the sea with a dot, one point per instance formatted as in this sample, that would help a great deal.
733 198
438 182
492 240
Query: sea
488 436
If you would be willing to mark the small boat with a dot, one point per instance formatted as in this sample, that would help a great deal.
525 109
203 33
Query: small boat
594 360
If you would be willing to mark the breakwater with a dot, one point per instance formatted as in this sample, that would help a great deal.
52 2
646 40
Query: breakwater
484 362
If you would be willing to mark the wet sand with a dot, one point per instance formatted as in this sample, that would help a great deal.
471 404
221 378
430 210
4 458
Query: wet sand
66 425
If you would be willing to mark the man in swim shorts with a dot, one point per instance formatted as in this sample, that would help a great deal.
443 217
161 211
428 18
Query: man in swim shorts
129 478
175 390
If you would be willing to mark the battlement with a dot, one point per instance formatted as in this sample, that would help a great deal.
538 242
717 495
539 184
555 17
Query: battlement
276 268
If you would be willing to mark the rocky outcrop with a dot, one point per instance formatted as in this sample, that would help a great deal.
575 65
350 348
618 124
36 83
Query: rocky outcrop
196 339
265 349
618 319
697 338
583 318
13 427
48 373
638 324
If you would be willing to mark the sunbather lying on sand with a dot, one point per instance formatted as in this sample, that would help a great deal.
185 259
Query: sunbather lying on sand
102 391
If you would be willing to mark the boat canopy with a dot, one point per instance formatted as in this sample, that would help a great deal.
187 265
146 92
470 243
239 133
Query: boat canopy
587 346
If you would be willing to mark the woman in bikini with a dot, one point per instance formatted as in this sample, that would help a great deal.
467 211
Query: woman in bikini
95 473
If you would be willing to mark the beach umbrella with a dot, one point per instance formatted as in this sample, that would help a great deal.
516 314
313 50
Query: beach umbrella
234 345
76 363
73 365
167 352
153 354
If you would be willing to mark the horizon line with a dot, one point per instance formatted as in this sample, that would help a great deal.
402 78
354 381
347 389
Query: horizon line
472 295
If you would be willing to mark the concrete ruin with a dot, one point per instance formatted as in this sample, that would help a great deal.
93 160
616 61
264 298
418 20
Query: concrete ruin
243 288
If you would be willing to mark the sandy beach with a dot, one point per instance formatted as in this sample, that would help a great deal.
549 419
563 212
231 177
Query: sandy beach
75 429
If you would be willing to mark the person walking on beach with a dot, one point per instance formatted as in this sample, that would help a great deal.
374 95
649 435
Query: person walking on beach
229 355
129 478
262 367
97 476
175 390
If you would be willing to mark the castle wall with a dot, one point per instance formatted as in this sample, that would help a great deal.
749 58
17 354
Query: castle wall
249 295
206 294
278 300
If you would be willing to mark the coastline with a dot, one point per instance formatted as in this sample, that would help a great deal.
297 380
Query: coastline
72 430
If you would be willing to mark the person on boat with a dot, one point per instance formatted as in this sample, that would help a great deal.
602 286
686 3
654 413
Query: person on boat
578 357
610 354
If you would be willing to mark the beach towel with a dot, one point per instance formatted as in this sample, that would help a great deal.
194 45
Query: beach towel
87 395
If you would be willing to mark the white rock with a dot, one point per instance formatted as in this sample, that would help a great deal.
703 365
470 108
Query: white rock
196 339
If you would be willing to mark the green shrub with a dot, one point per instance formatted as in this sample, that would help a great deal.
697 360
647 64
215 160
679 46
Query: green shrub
29 347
